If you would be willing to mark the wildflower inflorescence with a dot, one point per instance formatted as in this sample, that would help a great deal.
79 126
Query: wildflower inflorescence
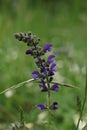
46 68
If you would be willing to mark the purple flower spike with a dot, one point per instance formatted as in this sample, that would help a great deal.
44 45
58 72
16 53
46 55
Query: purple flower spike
54 106
55 87
50 59
47 47
36 75
28 52
41 107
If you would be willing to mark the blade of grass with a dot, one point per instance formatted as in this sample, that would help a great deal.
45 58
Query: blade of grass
17 85
84 102
66 85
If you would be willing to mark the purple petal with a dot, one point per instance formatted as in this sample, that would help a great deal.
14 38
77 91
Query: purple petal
36 75
52 67
41 107
43 82
50 58
28 52
47 47
39 59
54 106
45 72
44 89
55 87
51 73
53 61
43 86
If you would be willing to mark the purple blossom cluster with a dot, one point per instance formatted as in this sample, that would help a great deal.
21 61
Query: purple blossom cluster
46 67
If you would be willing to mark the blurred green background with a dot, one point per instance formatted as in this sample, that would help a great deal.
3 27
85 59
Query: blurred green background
60 22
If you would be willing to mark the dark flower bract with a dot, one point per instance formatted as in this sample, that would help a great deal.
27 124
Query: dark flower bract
54 106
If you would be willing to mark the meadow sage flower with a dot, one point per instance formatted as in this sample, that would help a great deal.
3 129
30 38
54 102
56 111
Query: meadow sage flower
46 67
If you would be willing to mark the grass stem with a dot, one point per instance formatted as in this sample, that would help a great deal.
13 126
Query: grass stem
84 102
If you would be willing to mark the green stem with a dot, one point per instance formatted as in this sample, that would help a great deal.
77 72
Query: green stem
83 105
48 102
81 113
